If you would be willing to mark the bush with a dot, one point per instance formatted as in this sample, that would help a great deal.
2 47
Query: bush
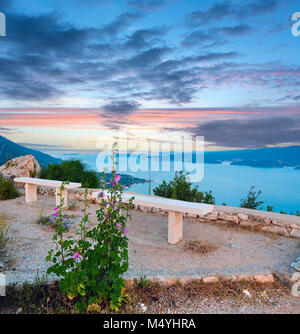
7 189
92 267
73 171
180 188
3 236
251 202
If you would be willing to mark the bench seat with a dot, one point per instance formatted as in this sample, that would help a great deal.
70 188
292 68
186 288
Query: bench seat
175 208
32 183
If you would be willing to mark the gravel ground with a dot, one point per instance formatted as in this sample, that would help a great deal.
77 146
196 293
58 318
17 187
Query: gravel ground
238 252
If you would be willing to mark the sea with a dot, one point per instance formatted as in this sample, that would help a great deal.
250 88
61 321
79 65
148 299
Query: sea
229 184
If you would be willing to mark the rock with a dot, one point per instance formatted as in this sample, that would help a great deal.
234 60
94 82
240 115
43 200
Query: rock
143 307
295 233
192 215
19 310
296 226
248 223
229 218
210 279
264 278
242 216
279 223
155 210
24 166
243 277
276 229
212 216
247 293
267 221
145 209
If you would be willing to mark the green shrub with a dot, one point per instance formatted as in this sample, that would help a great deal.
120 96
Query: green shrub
92 267
3 235
73 171
180 188
7 189
251 202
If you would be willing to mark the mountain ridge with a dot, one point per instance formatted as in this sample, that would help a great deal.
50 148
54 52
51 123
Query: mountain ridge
10 150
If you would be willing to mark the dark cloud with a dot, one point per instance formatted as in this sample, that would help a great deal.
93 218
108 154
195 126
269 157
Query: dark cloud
216 12
251 133
145 38
147 4
121 22
296 98
225 9
120 107
7 130
44 58
197 38
211 56
235 30
260 7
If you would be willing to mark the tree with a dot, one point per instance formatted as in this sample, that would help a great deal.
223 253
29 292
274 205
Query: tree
73 171
251 202
180 188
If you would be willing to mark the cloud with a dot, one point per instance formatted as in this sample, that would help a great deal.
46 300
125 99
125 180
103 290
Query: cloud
121 22
147 4
197 38
120 108
250 133
296 98
226 9
144 38
235 30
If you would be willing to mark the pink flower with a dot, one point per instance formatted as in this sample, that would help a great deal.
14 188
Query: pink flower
55 214
125 231
117 178
76 255
119 225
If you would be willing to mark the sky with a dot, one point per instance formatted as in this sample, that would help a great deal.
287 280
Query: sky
75 72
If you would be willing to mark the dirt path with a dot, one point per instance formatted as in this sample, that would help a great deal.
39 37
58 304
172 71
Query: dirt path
237 252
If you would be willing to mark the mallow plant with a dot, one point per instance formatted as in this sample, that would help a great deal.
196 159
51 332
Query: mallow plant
91 267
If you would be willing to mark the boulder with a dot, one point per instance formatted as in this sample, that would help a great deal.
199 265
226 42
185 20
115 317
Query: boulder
24 166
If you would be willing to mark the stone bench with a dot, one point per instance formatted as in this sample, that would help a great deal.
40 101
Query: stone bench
175 209
32 183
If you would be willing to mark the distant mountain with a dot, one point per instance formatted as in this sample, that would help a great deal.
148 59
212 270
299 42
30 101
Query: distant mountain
263 157
10 150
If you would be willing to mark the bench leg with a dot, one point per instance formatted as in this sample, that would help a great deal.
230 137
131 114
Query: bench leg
175 227
30 193
64 196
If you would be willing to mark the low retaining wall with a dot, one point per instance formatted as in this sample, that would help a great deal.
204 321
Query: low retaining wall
254 220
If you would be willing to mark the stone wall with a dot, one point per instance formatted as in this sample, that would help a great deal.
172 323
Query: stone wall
255 220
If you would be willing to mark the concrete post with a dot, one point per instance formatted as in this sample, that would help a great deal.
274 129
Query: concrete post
30 193
175 227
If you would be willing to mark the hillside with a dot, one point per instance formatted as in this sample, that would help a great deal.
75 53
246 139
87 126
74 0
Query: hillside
10 150
263 157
